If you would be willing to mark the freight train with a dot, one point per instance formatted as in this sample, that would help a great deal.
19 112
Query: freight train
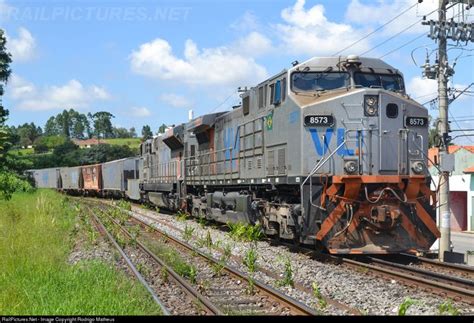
331 153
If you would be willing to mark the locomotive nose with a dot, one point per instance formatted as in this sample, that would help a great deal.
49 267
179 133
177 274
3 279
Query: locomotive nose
403 135
391 125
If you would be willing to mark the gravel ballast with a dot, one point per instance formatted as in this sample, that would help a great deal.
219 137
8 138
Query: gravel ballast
365 292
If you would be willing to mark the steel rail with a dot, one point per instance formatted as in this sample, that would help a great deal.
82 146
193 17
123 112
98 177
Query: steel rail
269 273
458 293
296 306
303 288
100 226
457 267
445 277
190 290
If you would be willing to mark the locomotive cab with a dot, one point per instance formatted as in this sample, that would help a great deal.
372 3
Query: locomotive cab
365 184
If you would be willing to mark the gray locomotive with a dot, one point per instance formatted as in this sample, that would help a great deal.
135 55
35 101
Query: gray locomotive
330 153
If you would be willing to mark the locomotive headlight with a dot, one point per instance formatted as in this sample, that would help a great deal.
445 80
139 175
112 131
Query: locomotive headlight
350 167
371 105
418 167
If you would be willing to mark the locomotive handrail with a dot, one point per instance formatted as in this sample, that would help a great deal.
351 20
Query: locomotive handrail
199 162
323 161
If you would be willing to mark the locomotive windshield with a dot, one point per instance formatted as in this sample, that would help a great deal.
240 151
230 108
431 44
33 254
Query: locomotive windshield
385 81
318 81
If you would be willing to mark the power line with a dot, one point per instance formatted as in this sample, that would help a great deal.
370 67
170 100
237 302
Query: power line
425 95
456 122
220 104
373 32
400 32
407 43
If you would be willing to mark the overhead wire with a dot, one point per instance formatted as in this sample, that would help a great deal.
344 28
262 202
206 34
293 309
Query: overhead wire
400 47
404 30
397 34
377 29
222 103
456 122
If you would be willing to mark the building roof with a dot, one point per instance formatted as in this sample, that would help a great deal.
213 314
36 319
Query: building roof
433 153
470 148
87 142
469 170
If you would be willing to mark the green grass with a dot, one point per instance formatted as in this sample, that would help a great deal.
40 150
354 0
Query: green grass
245 232
22 152
173 259
131 142
36 237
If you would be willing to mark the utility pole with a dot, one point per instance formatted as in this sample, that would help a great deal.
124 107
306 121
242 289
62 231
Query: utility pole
441 31
444 209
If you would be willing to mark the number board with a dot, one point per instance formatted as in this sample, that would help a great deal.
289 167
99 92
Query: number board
416 122
318 121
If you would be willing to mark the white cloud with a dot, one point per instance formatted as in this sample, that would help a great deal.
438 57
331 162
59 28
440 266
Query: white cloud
310 32
247 22
219 66
422 89
22 48
20 88
382 11
72 94
100 93
140 112
254 45
176 101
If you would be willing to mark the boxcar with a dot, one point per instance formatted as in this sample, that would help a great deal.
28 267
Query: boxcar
132 177
92 177
46 178
71 179
117 173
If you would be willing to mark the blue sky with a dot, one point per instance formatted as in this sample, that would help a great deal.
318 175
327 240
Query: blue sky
148 62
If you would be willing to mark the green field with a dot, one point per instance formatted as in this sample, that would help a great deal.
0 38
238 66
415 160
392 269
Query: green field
22 152
131 142
37 234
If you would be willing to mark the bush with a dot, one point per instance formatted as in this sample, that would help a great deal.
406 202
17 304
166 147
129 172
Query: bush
11 183
51 141
41 148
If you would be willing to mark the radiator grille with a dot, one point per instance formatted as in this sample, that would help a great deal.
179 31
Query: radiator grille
281 161
271 162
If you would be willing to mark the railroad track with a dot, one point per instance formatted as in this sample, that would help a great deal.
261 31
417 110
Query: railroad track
443 285
175 296
229 291
462 271
441 279
238 259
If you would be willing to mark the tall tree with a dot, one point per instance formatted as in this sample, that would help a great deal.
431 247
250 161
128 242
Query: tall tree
103 124
80 124
121 132
162 128
5 71
146 132
51 128
28 133
132 132
64 123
